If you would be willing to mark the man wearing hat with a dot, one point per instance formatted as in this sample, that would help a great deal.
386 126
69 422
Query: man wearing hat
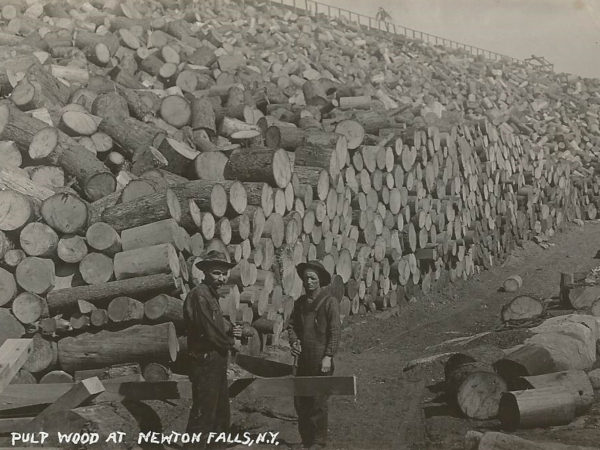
314 332
209 339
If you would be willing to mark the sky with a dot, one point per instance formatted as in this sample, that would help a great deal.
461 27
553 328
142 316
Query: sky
566 32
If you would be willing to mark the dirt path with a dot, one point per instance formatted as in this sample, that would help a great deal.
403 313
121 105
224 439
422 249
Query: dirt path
388 411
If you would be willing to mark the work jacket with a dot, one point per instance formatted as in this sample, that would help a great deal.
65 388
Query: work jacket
207 329
317 325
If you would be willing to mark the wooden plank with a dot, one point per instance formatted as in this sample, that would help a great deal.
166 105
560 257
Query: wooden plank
23 399
263 367
294 386
10 424
80 392
13 354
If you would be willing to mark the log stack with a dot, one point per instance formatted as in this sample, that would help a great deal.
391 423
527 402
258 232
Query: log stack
136 138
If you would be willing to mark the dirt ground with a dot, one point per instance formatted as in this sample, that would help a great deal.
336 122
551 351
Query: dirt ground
397 409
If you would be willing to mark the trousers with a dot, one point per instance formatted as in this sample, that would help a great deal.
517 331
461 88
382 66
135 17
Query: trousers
210 397
312 412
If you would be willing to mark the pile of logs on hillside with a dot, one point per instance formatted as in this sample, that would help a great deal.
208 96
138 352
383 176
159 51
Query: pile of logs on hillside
136 135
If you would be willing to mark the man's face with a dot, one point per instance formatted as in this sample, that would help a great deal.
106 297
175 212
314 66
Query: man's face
217 276
311 280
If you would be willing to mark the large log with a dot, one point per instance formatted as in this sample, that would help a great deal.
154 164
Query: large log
65 212
542 407
475 387
526 360
161 258
162 232
142 211
259 164
138 343
576 381
64 300
164 308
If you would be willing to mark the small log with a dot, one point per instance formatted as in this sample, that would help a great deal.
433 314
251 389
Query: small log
71 248
96 268
12 258
43 355
10 154
8 287
180 157
133 136
56 376
36 275
522 307
38 239
156 372
512 283
10 327
103 238
65 212
78 123
29 308
16 210
125 309
55 147
176 111
99 318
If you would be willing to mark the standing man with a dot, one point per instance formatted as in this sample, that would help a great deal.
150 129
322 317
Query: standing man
314 333
209 338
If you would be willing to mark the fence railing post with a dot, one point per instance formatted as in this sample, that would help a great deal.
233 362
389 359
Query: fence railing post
423 36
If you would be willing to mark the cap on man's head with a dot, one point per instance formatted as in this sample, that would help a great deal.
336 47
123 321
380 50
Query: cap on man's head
321 271
212 259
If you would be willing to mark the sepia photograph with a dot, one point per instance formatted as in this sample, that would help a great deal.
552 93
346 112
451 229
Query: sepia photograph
287 224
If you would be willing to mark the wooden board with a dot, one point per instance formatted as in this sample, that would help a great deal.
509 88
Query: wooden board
294 386
75 396
13 354
21 399
262 367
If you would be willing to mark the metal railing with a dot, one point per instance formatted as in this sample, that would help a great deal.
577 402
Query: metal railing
315 8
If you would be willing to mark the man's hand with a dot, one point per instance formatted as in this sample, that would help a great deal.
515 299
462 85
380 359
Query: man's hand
237 331
296 349
326 364
237 345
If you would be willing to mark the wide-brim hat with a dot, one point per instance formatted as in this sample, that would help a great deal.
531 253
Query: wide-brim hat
214 258
324 276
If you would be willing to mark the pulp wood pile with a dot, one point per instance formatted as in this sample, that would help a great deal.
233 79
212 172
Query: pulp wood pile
137 135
